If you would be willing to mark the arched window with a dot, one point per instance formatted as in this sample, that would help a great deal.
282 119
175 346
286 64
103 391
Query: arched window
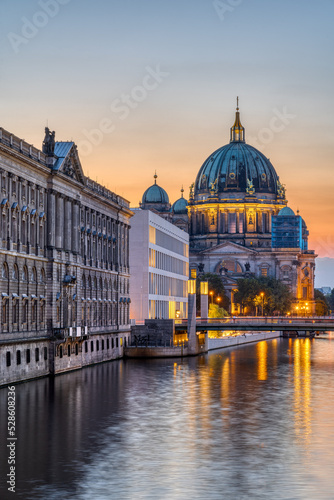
42 275
101 284
15 272
33 276
94 283
4 273
89 282
83 282
24 273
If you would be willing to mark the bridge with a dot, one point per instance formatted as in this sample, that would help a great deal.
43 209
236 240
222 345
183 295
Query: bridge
260 324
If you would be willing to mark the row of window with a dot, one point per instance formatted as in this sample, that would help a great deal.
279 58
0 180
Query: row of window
165 285
160 260
22 316
24 276
230 223
27 356
61 353
95 284
89 282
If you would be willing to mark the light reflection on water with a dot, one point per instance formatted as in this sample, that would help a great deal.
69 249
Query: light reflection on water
254 422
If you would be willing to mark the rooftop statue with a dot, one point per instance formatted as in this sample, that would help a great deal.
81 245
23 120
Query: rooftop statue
49 142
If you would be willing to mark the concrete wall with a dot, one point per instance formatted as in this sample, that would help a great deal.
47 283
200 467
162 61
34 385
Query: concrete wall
241 339
154 332
24 370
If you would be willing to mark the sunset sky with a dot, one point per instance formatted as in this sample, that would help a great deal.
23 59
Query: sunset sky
151 85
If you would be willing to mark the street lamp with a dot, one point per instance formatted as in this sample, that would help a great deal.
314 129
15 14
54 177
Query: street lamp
218 299
211 293
262 296
297 307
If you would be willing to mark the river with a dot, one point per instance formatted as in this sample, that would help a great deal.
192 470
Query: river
249 422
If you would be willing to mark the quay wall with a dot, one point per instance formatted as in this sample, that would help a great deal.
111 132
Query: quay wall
34 358
246 338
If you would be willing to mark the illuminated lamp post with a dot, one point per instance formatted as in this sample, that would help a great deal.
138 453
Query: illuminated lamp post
211 293
297 308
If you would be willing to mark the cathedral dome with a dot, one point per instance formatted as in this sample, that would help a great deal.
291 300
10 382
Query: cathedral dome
180 206
155 194
237 169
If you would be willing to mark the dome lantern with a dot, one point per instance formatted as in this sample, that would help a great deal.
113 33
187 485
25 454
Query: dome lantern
237 131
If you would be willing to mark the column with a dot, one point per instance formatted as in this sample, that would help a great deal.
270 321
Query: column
75 227
59 221
68 225
51 218
204 299
191 329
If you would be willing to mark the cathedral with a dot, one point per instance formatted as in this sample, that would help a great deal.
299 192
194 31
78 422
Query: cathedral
238 221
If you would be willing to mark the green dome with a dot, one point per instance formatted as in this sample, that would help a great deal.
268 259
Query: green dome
155 194
286 211
180 206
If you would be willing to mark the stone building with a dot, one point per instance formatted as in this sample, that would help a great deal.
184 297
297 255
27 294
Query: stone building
64 259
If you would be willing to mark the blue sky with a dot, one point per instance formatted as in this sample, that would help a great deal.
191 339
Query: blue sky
84 56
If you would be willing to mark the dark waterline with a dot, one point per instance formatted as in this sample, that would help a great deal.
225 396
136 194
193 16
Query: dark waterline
253 422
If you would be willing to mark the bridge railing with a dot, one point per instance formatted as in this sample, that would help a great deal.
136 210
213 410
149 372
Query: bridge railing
257 320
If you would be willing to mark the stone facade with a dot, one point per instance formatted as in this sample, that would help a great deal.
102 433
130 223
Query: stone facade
64 259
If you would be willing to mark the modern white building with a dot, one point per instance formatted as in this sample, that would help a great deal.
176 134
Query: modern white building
159 263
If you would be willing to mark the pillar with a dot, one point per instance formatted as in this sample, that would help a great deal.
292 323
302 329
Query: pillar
204 299
191 330
59 221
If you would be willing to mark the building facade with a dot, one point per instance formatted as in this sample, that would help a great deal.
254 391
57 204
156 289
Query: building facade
64 258
159 261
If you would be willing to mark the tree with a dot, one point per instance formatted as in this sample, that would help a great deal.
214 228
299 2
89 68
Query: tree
276 295
216 286
322 304
217 312
330 299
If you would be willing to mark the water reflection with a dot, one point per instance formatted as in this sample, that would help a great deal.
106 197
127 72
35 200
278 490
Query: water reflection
249 422
302 384
261 353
